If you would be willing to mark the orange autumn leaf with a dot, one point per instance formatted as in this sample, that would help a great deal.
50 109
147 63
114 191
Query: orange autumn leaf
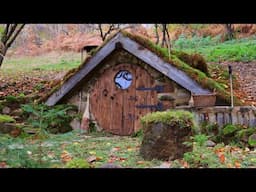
65 157
222 158
140 162
98 158
122 159
3 164
219 150
237 164
185 164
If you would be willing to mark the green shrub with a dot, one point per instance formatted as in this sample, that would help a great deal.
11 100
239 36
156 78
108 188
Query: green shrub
252 140
6 119
229 129
200 139
11 98
54 119
78 163
138 133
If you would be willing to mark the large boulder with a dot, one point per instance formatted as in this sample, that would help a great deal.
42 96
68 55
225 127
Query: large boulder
165 133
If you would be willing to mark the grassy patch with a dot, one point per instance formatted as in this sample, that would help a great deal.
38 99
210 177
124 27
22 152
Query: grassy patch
48 62
212 49
58 150
76 150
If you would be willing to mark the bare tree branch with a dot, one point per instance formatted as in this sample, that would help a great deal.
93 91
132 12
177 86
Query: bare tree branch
156 32
10 33
111 28
15 34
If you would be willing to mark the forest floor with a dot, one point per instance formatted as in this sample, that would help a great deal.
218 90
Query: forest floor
31 75
77 150
246 74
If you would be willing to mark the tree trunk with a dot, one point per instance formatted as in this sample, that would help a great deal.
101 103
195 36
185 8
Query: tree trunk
230 32
163 38
10 33
166 37
2 54
157 35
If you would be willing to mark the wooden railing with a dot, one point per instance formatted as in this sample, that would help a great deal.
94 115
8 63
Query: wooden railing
243 115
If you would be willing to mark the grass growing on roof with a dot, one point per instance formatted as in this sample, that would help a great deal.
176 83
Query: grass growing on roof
175 58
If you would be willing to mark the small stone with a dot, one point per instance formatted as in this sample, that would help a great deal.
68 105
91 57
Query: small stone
6 110
165 165
110 165
210 143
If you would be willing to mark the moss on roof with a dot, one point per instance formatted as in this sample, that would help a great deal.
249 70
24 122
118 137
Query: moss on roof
180 60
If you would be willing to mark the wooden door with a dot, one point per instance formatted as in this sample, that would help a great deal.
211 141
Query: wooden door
121 96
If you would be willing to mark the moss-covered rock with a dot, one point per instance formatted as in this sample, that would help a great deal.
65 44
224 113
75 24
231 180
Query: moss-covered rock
165 133
252 140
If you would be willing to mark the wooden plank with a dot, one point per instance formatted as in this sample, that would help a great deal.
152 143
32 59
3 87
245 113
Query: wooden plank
105 103
128 103
116 110
100 101
141 97
143 79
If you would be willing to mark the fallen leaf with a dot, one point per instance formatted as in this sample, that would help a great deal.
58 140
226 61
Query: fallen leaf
222 158
91 159
3 164
219 150
63 146
185 164
92 152
166 165
114 149
111 160
98 158
237 164
140 162
51 154
65 157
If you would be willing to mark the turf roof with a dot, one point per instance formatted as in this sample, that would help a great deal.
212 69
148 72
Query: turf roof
174 59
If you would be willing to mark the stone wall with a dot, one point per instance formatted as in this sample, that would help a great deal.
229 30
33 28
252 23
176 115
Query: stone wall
243 115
